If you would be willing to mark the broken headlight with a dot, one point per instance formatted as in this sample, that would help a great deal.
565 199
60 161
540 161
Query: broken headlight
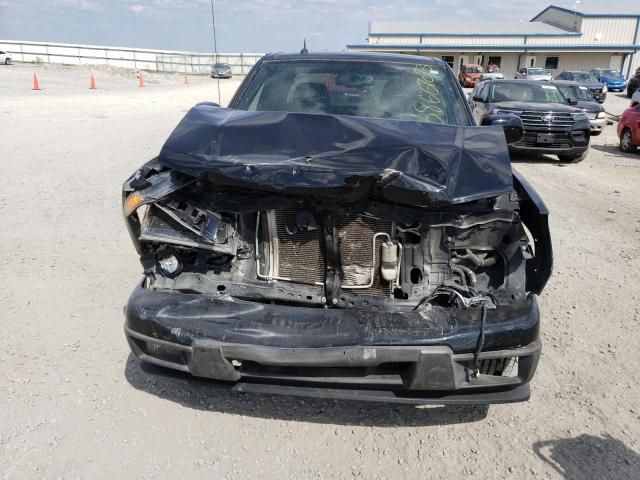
179 222
170 265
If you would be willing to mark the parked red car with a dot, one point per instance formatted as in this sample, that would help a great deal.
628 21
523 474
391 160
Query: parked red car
469 74
629 129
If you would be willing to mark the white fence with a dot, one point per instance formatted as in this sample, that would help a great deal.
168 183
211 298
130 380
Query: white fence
135 58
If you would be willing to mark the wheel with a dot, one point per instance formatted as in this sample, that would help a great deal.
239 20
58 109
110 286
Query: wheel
626 142
596 133
629 93
7 61
573 157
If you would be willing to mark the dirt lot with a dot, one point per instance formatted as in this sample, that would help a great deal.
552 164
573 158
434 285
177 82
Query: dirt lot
75 404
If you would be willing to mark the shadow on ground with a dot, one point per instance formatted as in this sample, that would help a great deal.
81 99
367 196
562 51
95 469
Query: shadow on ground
614 151
207 395
532 158
589 457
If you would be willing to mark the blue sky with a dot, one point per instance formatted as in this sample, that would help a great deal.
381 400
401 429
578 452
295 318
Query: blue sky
243 25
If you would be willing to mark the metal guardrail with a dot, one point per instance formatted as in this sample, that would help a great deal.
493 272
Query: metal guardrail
134 58
193 63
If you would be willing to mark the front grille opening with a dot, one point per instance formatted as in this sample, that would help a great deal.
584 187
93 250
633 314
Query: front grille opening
502 367
387 373
547 119
560 140
161 351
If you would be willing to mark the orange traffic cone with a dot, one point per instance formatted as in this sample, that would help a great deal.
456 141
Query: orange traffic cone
36 85
92 86
186 79
141 80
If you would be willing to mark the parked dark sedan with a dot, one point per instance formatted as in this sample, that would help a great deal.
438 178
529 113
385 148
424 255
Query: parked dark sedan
598 89
580 96
633 85
550 124
363 241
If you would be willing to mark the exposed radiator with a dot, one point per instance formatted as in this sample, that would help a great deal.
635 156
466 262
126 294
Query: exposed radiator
301 255
356 256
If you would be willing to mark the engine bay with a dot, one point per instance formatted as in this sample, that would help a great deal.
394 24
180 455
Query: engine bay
318 252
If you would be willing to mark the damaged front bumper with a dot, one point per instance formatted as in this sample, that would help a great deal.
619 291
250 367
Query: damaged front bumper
422 356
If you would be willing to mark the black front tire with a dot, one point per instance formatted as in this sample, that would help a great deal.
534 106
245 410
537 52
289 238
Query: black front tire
7 61
596 133
626 142
573 157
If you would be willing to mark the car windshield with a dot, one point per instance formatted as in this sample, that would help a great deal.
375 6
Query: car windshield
610 73
584 77
537 71
525 92
221 65
474 70
576 92
416 92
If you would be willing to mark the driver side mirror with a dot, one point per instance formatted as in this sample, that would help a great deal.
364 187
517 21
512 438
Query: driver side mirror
571 101
477 98
210 104
511 124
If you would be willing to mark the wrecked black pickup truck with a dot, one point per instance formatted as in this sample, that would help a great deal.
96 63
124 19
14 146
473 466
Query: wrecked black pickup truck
343 230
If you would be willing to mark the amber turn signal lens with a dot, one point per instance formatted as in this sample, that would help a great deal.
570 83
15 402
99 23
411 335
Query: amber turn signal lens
132 202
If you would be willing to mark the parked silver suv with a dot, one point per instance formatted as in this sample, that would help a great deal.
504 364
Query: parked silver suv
531 73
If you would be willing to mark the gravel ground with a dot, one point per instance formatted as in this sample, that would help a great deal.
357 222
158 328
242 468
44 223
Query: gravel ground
75 404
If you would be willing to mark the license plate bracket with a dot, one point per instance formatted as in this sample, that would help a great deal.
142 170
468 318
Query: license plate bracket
545 138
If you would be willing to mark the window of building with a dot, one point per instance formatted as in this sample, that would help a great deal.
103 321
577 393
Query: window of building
551 63
448 59
495 61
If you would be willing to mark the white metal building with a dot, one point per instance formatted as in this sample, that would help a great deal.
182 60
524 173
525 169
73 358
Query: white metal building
556 39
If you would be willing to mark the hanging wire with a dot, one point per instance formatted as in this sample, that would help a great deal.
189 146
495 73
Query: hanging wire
215 46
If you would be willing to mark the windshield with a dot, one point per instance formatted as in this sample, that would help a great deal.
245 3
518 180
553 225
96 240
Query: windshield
576 92
525 92
474 70
221 65
610 73
584 78
416 92
537 71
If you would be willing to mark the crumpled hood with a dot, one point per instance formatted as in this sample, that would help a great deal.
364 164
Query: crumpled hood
352 158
